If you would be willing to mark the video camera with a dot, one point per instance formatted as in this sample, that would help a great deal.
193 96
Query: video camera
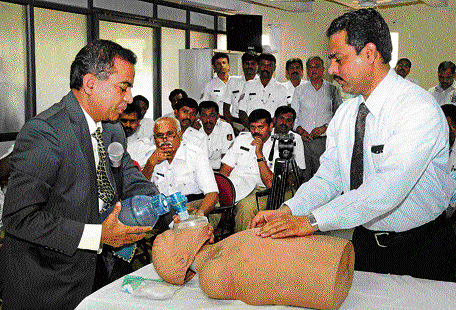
286 144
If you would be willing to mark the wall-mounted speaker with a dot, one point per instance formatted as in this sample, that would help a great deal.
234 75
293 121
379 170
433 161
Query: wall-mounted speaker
244 32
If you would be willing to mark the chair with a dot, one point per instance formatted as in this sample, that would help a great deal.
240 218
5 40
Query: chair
227 198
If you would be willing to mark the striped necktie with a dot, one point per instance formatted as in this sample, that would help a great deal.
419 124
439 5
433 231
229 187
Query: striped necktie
105 189
357 165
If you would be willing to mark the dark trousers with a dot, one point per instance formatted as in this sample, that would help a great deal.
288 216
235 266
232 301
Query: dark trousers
428 251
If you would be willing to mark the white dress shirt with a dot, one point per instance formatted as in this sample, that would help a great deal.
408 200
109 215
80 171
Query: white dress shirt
218 142
234 89
314 108
215 91
256 96
290 89
144 130
405 152
447 96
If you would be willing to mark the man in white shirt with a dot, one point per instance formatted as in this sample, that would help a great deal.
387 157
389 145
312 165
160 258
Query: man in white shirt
215 89
146 124
294 72
173 97
265 93
179 166
444 93
315 103
403 67
235 88
220 134
377 175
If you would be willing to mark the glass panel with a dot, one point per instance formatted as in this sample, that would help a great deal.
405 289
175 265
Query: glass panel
132 6
13 70
201 40
139 39
58 38
221 23
78 3
221 42
203 20
169 13
172 41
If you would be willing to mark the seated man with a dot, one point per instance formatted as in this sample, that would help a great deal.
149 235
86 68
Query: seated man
220 134
179 166
130 119
186 111
249 167
174 96
317 274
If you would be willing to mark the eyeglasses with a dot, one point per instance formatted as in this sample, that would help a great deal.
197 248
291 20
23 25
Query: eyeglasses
170 135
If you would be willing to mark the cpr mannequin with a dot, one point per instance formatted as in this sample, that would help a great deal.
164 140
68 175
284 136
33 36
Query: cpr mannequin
312 271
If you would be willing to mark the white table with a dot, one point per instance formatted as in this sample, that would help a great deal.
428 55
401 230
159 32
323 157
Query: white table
368 291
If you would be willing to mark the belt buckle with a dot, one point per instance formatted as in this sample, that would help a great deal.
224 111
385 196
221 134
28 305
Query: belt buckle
378 242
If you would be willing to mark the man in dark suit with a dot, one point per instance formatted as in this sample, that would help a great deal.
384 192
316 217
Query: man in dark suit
52 206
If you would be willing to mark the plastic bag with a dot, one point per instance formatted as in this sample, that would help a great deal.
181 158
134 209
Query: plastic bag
149 288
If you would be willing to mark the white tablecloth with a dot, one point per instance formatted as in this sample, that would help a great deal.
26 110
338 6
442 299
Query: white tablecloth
368 291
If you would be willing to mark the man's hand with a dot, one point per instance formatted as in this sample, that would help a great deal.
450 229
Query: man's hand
258 143
286 226
318 131
116 234
264 217
162 153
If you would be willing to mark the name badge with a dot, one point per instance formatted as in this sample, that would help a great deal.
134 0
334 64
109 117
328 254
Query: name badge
377 149
244 148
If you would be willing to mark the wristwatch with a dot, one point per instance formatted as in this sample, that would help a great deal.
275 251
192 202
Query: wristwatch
312 221
261 159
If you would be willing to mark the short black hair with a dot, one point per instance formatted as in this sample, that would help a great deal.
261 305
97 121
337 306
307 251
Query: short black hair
293 61
404 60
445 65
209 105
364 26
133 108
315 57
265 56
218 56
176 92
260 114
97 58
284 109
249 56
186 102
142 99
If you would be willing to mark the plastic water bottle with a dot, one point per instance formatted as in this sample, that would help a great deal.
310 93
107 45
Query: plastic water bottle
143 210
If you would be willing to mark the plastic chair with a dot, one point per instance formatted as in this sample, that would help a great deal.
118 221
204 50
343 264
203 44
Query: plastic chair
227 199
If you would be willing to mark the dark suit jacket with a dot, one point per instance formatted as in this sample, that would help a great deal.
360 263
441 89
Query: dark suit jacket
52 193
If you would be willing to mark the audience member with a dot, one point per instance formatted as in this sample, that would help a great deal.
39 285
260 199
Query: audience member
146 126
403 67
294 73
130 119
264 93
53 201
247 165
315 103
444 93
178 166
235 88
220 134
215 89
174 96
391 185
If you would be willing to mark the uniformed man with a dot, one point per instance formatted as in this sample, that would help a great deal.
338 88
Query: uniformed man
294 71
215 88
235 88
264 93
219 133
173 97
176 165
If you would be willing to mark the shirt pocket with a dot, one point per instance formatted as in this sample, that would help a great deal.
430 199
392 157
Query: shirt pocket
185 182
377 156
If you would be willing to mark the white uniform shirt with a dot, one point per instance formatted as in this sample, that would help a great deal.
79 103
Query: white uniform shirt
234 89
447 96
218 142
215 91
241 157
315 108
256 96
408 78
405 152
189 173
290 89
144 130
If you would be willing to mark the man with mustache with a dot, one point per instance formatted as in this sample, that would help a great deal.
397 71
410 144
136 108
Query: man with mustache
403 67
61 179
445 93
248 166
235 88
294 73
315 102
220 134
130 119
390 186
263 93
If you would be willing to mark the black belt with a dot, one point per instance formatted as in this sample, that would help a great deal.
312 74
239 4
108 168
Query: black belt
390 238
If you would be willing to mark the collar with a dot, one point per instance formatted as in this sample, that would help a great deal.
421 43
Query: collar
379 97
92 125
440 89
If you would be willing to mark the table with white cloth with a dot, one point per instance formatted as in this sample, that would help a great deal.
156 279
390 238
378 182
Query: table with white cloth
368 291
